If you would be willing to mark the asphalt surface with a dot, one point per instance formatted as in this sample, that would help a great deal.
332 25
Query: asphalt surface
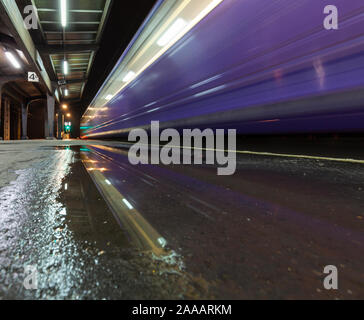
265 233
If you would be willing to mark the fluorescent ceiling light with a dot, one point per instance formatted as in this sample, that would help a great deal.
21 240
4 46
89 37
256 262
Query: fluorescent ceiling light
109 97
66 92
13 60
130 76
64 13
172 32
21 54
65 67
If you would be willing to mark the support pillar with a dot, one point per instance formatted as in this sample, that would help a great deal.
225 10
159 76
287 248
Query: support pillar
62 125
18 131
59 125
50 117
24 120
46 129
7 119
1 97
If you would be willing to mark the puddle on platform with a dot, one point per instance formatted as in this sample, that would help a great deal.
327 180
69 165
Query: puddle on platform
86 213
266 232
88 217
54 218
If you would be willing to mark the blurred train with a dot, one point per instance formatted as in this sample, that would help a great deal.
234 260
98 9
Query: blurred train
260 66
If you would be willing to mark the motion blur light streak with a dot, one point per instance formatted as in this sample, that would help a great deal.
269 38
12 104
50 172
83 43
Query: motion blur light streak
143 234
130 76
220 154
128 204
96 169
307 80
172 32
144 54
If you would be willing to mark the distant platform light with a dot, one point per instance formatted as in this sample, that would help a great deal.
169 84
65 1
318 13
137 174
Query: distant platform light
130 76
64 13
172 32
64 107
109 97
13 60
66 92
68 115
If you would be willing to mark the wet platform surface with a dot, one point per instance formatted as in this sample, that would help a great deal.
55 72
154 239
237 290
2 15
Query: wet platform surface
265 233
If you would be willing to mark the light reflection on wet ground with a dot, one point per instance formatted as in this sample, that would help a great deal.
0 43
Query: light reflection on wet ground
53 217
266 233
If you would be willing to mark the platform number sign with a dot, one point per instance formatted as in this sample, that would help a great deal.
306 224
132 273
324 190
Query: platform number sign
32 77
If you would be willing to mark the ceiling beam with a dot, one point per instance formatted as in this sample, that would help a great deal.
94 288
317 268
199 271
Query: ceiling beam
57 49
9 41
12 18
70 81
5 79
75 81
104 17
37 86
71 22
71 101
71 10
19 90
13 94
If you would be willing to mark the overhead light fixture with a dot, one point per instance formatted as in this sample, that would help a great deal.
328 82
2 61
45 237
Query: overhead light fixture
64 13
172 32
66 92
68 115
130 76
65 67
21 54
109 97
65 107
13 60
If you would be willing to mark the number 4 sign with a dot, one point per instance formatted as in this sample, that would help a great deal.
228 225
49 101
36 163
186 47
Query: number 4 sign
32 77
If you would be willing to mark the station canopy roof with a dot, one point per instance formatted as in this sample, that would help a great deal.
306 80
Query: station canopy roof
75 43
